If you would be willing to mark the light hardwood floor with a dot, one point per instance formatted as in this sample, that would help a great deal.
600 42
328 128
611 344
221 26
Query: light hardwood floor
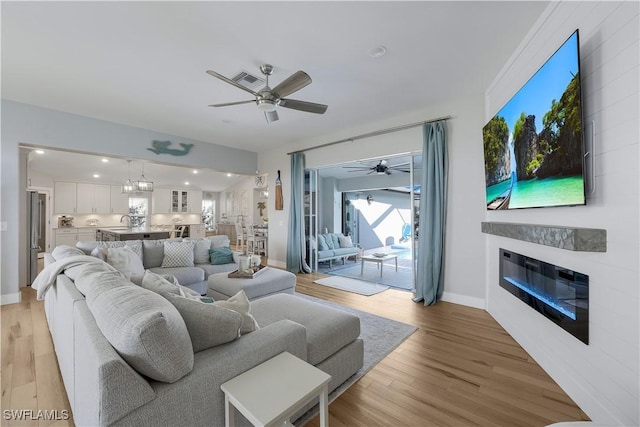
460 368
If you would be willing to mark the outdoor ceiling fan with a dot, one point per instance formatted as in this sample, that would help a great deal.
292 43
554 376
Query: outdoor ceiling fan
381 168
268 100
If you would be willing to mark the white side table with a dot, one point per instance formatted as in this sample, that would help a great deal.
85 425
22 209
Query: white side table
270 393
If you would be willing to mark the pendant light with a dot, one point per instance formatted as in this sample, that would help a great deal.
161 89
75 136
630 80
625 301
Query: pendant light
143 184
128 187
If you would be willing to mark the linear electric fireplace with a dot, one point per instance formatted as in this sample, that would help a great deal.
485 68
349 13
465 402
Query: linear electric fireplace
559 294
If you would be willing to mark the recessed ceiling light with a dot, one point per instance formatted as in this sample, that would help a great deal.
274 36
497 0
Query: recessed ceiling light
195 171
39 151
228 174
105 160
186 183
377 52
95 175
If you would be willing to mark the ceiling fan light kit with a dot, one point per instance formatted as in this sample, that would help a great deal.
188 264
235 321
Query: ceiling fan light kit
268 100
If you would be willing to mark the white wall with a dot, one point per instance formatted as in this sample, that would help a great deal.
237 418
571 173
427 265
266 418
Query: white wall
601 377
464 241
27 124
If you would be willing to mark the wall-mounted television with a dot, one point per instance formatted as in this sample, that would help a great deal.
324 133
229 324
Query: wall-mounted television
533 148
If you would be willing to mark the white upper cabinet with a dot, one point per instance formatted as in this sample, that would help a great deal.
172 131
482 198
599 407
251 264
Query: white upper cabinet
93 198
64 197
195 202
119 201
161 201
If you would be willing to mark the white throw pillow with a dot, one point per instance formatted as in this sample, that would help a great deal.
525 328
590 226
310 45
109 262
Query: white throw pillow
160 284
125 261
345 241
240 303
178 254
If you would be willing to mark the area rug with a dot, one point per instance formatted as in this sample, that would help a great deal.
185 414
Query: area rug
351 285
401 279
380 335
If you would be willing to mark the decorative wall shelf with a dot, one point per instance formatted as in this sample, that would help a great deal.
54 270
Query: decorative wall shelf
569 238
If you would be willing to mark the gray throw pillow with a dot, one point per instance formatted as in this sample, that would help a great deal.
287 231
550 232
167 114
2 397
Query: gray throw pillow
178 254
143 327
208 325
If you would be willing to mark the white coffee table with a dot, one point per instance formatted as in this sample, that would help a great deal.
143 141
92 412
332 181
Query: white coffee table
270 393
378 259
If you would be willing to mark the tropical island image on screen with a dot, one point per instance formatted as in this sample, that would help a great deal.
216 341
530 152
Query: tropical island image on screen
533 146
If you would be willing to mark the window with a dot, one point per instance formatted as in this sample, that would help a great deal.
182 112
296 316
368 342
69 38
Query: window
138 211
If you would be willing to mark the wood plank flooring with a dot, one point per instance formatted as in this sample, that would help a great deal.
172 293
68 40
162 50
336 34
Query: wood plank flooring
460 368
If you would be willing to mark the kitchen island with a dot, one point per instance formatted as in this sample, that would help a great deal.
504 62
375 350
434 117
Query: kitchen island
124 233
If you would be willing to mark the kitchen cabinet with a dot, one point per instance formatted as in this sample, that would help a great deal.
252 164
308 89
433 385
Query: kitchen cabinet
176 201
93 198
64 197
87 235
119 201
195 202
66 236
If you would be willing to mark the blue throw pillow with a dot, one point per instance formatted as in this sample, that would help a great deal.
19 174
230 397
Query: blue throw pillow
322 244
221 255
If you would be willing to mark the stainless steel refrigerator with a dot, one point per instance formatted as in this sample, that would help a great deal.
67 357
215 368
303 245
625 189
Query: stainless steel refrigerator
35 232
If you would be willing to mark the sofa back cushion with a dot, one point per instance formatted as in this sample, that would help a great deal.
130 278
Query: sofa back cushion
125 261
219 241
200 249
143 327
152 253
322 243
88 246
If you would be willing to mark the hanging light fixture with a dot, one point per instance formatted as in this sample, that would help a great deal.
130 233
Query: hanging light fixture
143 184
128 187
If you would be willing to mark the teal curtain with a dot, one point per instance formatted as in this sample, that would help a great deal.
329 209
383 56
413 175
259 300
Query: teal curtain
433 209
296 244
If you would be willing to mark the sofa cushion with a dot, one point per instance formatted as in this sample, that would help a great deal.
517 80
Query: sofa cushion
219 241
334 239
322 243
88 246
328 329
200 250
178 254
240 303
152 253
209 325
185 275
210 269
346 251
345 241
143 327
125 261
221 255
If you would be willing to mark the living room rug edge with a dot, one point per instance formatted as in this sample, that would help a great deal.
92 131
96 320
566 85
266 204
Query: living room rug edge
352 285
380 335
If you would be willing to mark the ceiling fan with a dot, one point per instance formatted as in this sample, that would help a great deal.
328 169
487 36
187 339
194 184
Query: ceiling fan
268 99
382 168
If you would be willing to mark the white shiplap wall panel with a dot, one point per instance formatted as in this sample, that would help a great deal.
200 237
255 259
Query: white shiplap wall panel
602 377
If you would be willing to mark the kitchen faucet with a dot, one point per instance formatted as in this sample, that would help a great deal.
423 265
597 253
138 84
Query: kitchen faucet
128 222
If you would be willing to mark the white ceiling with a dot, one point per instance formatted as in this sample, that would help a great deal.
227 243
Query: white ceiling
144 63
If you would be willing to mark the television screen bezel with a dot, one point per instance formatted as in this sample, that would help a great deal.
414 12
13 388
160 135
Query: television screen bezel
582 125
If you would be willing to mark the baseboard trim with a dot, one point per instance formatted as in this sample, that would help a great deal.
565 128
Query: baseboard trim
464 300
10 298
278 264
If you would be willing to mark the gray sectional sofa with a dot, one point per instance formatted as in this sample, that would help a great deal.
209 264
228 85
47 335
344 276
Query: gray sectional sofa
152 254
129 356
331 246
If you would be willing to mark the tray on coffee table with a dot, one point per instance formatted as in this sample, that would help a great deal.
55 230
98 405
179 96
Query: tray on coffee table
237 274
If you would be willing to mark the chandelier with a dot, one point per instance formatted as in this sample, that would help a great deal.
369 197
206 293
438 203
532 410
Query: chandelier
142 184
128 187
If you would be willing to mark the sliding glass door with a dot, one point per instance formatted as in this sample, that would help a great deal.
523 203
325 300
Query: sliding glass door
311 216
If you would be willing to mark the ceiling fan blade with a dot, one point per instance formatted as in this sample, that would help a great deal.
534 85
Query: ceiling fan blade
293 83
231 82
309 107
271 116
226 104
358 170
399 165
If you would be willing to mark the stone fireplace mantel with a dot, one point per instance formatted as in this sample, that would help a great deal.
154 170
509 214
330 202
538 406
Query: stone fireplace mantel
569 238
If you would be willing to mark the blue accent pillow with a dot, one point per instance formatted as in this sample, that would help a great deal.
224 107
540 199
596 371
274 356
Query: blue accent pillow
322 244
329 241
221 255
